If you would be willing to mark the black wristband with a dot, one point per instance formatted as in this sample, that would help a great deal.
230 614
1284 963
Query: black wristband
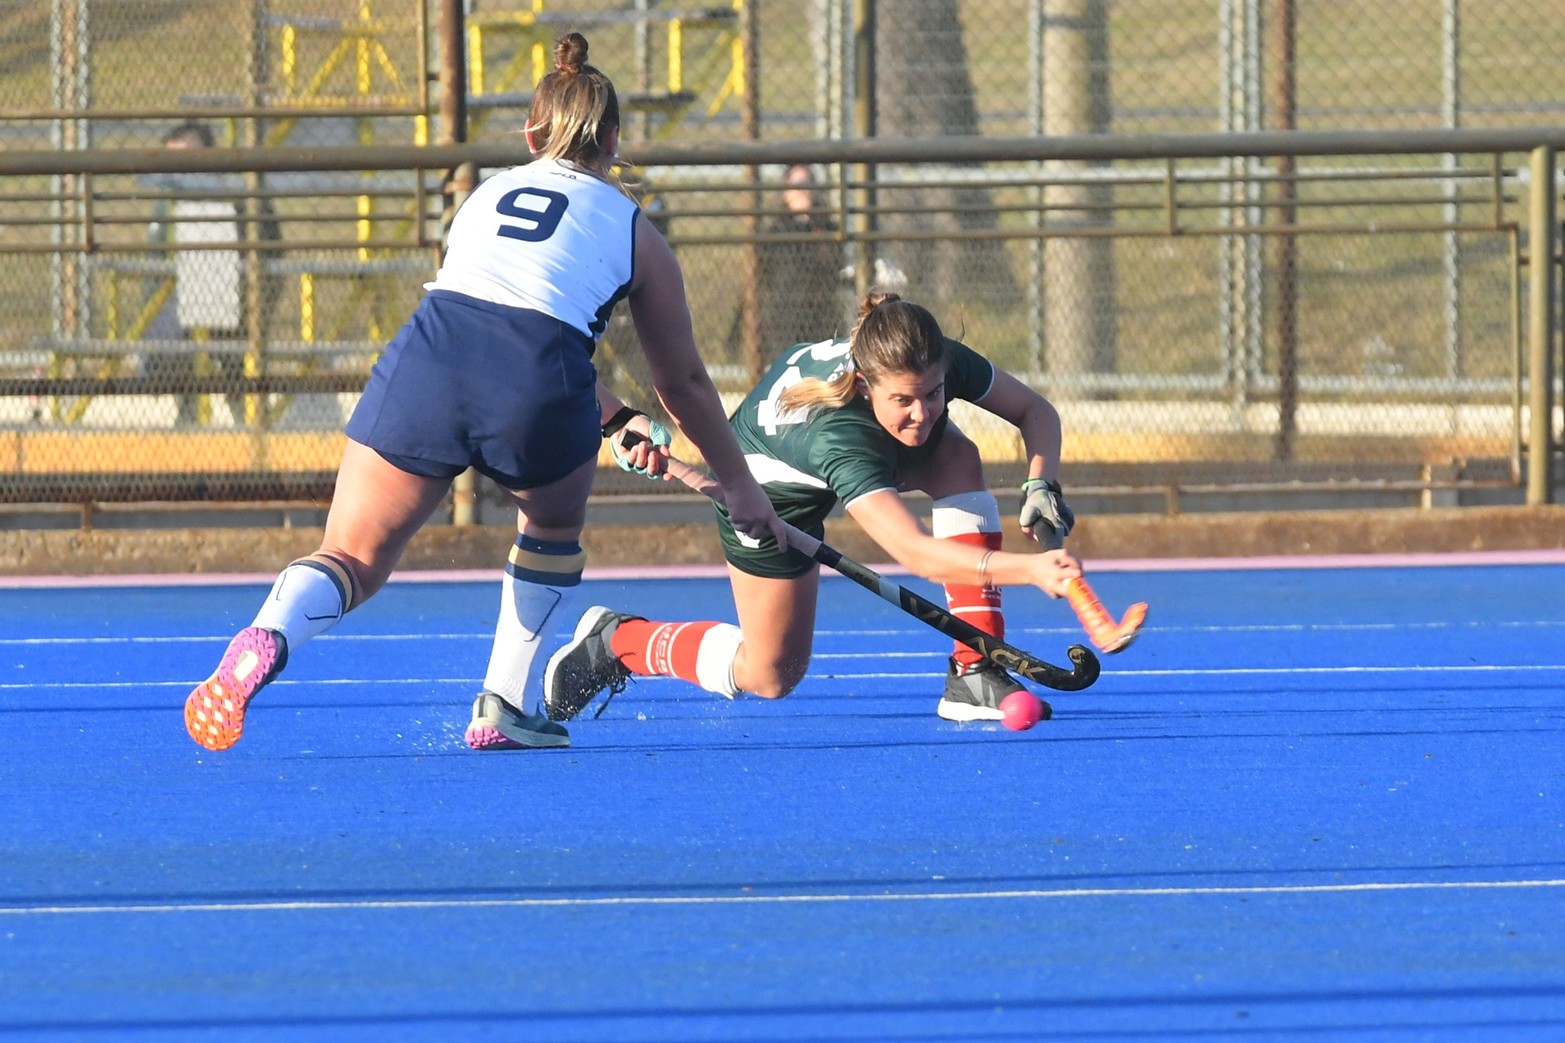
625 415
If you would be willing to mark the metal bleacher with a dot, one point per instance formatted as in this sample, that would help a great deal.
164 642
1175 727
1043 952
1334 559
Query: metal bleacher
94 419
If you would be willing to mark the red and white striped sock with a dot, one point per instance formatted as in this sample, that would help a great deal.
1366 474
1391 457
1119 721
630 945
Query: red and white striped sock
979 606
700 652
972 518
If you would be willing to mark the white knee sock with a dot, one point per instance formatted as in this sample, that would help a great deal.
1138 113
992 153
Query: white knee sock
715 659
964 513
538 577
308 598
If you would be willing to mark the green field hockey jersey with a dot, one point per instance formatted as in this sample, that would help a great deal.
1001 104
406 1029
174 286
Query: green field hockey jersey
808 462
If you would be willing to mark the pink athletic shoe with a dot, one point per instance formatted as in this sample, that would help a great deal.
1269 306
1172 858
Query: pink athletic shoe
215 711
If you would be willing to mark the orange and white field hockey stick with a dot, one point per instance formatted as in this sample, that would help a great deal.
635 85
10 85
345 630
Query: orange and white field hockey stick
1109 636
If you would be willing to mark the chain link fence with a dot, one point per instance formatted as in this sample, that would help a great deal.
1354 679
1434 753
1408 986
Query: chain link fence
196 334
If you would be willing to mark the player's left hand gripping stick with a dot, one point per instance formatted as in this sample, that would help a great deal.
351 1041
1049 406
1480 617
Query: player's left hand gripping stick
1109 636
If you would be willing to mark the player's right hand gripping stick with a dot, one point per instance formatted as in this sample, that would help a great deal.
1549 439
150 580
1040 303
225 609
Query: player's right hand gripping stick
1109 636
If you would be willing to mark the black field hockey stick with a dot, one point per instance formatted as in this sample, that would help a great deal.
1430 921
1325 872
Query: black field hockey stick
1085 666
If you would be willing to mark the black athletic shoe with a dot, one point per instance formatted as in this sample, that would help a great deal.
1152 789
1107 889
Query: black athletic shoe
584 666
975 693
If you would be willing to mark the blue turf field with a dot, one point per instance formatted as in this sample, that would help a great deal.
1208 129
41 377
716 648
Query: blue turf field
1308 803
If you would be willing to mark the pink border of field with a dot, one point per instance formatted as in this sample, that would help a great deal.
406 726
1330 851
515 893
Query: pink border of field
1321 561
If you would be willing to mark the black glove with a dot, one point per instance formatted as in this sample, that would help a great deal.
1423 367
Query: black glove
1045 517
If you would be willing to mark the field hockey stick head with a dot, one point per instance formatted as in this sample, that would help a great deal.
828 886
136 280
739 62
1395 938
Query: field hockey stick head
1109 636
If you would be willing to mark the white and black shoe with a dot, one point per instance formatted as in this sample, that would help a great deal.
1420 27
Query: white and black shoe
585 666
974 693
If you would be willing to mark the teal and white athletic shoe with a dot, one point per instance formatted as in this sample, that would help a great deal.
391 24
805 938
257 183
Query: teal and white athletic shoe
497 725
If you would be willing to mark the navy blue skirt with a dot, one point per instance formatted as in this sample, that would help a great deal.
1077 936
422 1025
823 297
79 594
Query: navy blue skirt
466 383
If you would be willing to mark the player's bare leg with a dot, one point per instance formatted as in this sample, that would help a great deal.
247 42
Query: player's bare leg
777 619
376 509
766 655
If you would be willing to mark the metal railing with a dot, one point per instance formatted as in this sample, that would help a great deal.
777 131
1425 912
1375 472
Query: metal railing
1168 188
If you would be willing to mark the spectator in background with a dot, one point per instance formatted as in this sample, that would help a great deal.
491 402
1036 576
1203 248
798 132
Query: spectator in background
800 279
209 284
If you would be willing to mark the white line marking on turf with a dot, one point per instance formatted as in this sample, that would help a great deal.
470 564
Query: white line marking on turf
826 635
669 900
1315 628
1236 671
282 682
194 639
1240 671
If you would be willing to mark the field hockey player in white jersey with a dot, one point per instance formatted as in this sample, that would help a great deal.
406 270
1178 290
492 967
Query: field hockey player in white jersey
494 371
857 422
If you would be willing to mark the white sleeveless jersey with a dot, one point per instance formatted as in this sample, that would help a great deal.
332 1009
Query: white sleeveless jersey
545 237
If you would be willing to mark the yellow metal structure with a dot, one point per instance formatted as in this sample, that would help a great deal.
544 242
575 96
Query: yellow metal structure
361 44
344 66
703 53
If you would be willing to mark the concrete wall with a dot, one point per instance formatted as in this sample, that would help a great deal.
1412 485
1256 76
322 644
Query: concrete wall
1235 535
